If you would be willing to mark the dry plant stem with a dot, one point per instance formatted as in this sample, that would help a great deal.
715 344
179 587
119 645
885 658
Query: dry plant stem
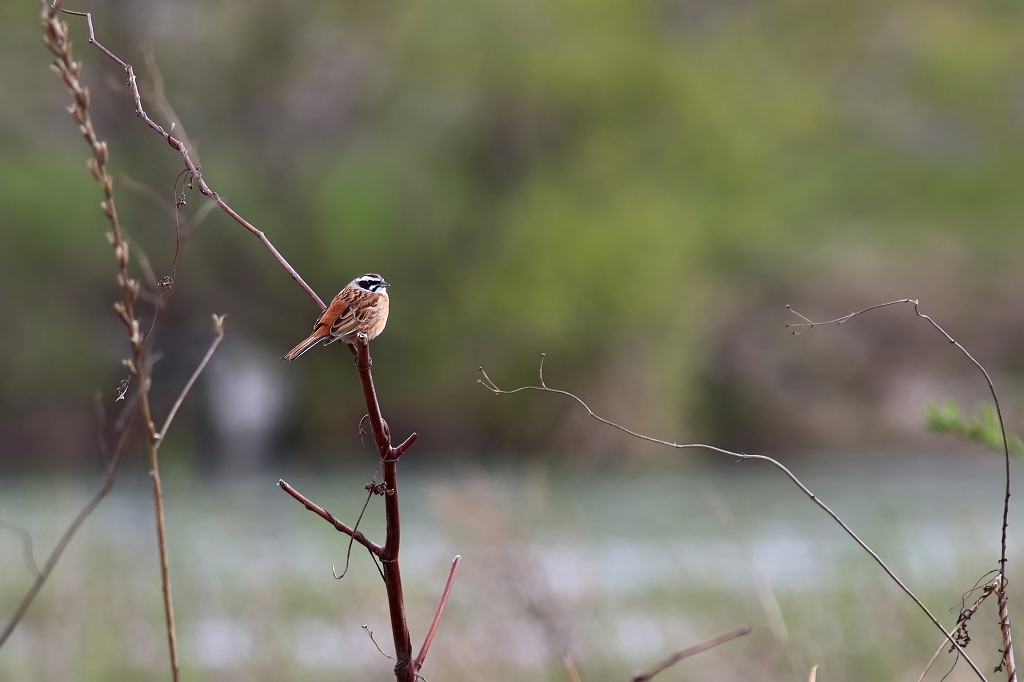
813 675
1004 615
56 38
65 539
692 651
964 617
418 663
182 149
570 668
1009 666
491 386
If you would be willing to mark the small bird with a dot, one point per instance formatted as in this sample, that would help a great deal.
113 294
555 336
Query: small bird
360 308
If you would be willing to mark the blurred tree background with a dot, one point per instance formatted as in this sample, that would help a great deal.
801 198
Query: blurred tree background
634 188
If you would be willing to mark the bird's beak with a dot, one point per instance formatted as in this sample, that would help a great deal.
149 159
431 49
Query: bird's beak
384 283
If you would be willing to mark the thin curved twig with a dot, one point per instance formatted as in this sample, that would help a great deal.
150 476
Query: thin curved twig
27 555
491 386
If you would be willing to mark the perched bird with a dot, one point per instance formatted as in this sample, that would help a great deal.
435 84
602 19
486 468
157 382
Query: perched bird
360 308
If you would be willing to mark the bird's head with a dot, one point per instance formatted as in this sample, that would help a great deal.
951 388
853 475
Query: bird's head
372 282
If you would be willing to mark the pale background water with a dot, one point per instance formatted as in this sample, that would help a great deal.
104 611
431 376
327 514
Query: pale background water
617 569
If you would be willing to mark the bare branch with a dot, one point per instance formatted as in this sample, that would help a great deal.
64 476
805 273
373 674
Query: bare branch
1004 625
218 331
418 663
692 651
331 519
182 148
69 533
491 386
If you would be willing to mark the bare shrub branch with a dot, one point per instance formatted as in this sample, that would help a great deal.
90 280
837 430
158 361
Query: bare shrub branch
69 532
182 148
418 663
544 388
405 667
1004 622
331 519
692 651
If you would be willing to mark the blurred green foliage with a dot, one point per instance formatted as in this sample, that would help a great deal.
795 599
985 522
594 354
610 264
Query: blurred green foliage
984 429
609 182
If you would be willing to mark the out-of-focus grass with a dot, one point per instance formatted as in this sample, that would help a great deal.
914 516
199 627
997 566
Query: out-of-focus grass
618 570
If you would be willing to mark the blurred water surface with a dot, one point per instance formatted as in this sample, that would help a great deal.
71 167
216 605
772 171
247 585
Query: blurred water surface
616 569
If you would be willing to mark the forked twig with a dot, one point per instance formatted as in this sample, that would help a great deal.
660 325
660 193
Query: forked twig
418 663
692 651
491 386
369 632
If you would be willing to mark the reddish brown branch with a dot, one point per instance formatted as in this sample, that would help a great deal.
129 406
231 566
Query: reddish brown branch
692 651
392 518
327 516
388 553
491 386
418 663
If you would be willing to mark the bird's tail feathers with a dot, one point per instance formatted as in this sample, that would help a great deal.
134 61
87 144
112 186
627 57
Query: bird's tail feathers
304 346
